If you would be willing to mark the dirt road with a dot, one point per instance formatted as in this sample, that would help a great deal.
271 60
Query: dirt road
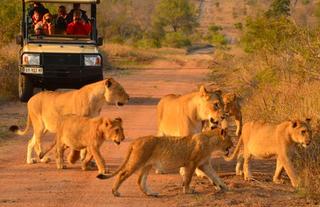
44 185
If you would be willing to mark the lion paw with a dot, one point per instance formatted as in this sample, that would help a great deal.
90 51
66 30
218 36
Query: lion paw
45 160
115 193
278 181
32 161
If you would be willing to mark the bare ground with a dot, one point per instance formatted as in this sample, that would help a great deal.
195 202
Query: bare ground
43 185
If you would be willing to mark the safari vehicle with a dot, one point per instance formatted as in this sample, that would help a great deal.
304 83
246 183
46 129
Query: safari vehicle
58 60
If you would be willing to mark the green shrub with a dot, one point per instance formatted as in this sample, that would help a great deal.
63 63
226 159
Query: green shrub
9 72
238 26
218 39
147 43
10 13
176 39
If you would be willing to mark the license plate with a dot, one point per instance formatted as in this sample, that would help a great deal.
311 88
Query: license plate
33 70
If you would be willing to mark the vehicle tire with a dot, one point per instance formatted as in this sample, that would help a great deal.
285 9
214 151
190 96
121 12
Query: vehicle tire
25 88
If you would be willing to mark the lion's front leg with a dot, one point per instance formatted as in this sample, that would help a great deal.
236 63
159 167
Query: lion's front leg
288 166
212 176
98 158
189 170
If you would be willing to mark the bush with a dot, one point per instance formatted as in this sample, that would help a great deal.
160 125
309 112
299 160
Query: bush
10 13
147 43
215 37
9 72
176 39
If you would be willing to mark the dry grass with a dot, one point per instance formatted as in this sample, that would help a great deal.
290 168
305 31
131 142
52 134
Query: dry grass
128 57
9 72
273 90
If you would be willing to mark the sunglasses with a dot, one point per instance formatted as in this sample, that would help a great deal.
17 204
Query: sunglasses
77 19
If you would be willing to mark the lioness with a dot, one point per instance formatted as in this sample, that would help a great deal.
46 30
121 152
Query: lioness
166 153
79 132
45 108
264 140
181 115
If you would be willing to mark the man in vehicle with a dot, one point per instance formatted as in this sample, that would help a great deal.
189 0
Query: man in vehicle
78 26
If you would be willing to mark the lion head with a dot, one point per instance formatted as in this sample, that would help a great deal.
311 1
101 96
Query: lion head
301 132
210 106
112 129
115 93
229 100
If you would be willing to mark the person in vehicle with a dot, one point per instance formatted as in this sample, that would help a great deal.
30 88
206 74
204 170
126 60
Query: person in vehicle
37 6
75 8
37 17
61 20
78 26
45 27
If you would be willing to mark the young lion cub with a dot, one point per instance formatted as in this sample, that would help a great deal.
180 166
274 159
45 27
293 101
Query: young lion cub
171 153
79 132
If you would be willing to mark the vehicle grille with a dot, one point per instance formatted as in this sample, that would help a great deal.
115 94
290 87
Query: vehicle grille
61 60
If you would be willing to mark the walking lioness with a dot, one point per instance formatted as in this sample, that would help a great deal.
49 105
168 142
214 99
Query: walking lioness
77 132
168 153
45 109
264 140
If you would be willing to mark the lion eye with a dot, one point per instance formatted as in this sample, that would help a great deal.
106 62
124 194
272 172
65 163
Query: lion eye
303 132
216 106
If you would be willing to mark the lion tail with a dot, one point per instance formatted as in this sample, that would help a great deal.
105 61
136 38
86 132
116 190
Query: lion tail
103 176
42 154
15 129
235 152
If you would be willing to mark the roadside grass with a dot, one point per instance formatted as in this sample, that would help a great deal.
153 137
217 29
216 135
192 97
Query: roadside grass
273 92
129 57
9 72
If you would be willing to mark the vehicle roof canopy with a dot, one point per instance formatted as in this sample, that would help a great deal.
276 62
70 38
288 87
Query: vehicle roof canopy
64 1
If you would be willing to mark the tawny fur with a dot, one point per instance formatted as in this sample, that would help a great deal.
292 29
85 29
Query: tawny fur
45 109
263 140
168 153
77 133
182 115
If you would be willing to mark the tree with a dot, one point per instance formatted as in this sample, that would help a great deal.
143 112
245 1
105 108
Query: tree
279 8
178 15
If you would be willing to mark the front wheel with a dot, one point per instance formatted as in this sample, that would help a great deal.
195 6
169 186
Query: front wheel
25 88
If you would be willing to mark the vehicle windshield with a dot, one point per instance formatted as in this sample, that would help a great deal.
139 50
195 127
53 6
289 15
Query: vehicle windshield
53 22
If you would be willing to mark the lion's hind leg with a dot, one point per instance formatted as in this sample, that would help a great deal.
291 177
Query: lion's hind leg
142 181
73 156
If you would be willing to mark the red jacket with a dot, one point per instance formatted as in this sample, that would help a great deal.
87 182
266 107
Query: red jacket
78 28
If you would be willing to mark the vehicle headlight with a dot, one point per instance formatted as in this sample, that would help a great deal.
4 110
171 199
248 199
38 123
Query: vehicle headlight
31 59
92 60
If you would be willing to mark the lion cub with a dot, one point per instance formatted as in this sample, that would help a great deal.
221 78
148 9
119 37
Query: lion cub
79 132
265 140
171 153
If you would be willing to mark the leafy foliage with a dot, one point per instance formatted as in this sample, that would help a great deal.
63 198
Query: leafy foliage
279 8
10 15
176 15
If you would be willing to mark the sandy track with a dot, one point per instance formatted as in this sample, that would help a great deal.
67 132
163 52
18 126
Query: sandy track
43 185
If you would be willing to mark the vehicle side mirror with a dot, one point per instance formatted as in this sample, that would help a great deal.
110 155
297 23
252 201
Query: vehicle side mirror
99 41
19 39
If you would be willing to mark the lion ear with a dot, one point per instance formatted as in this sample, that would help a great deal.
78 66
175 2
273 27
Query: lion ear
108 82
118 119
223 133
308 120
218 92
233 96
294 123
203 91
108 122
